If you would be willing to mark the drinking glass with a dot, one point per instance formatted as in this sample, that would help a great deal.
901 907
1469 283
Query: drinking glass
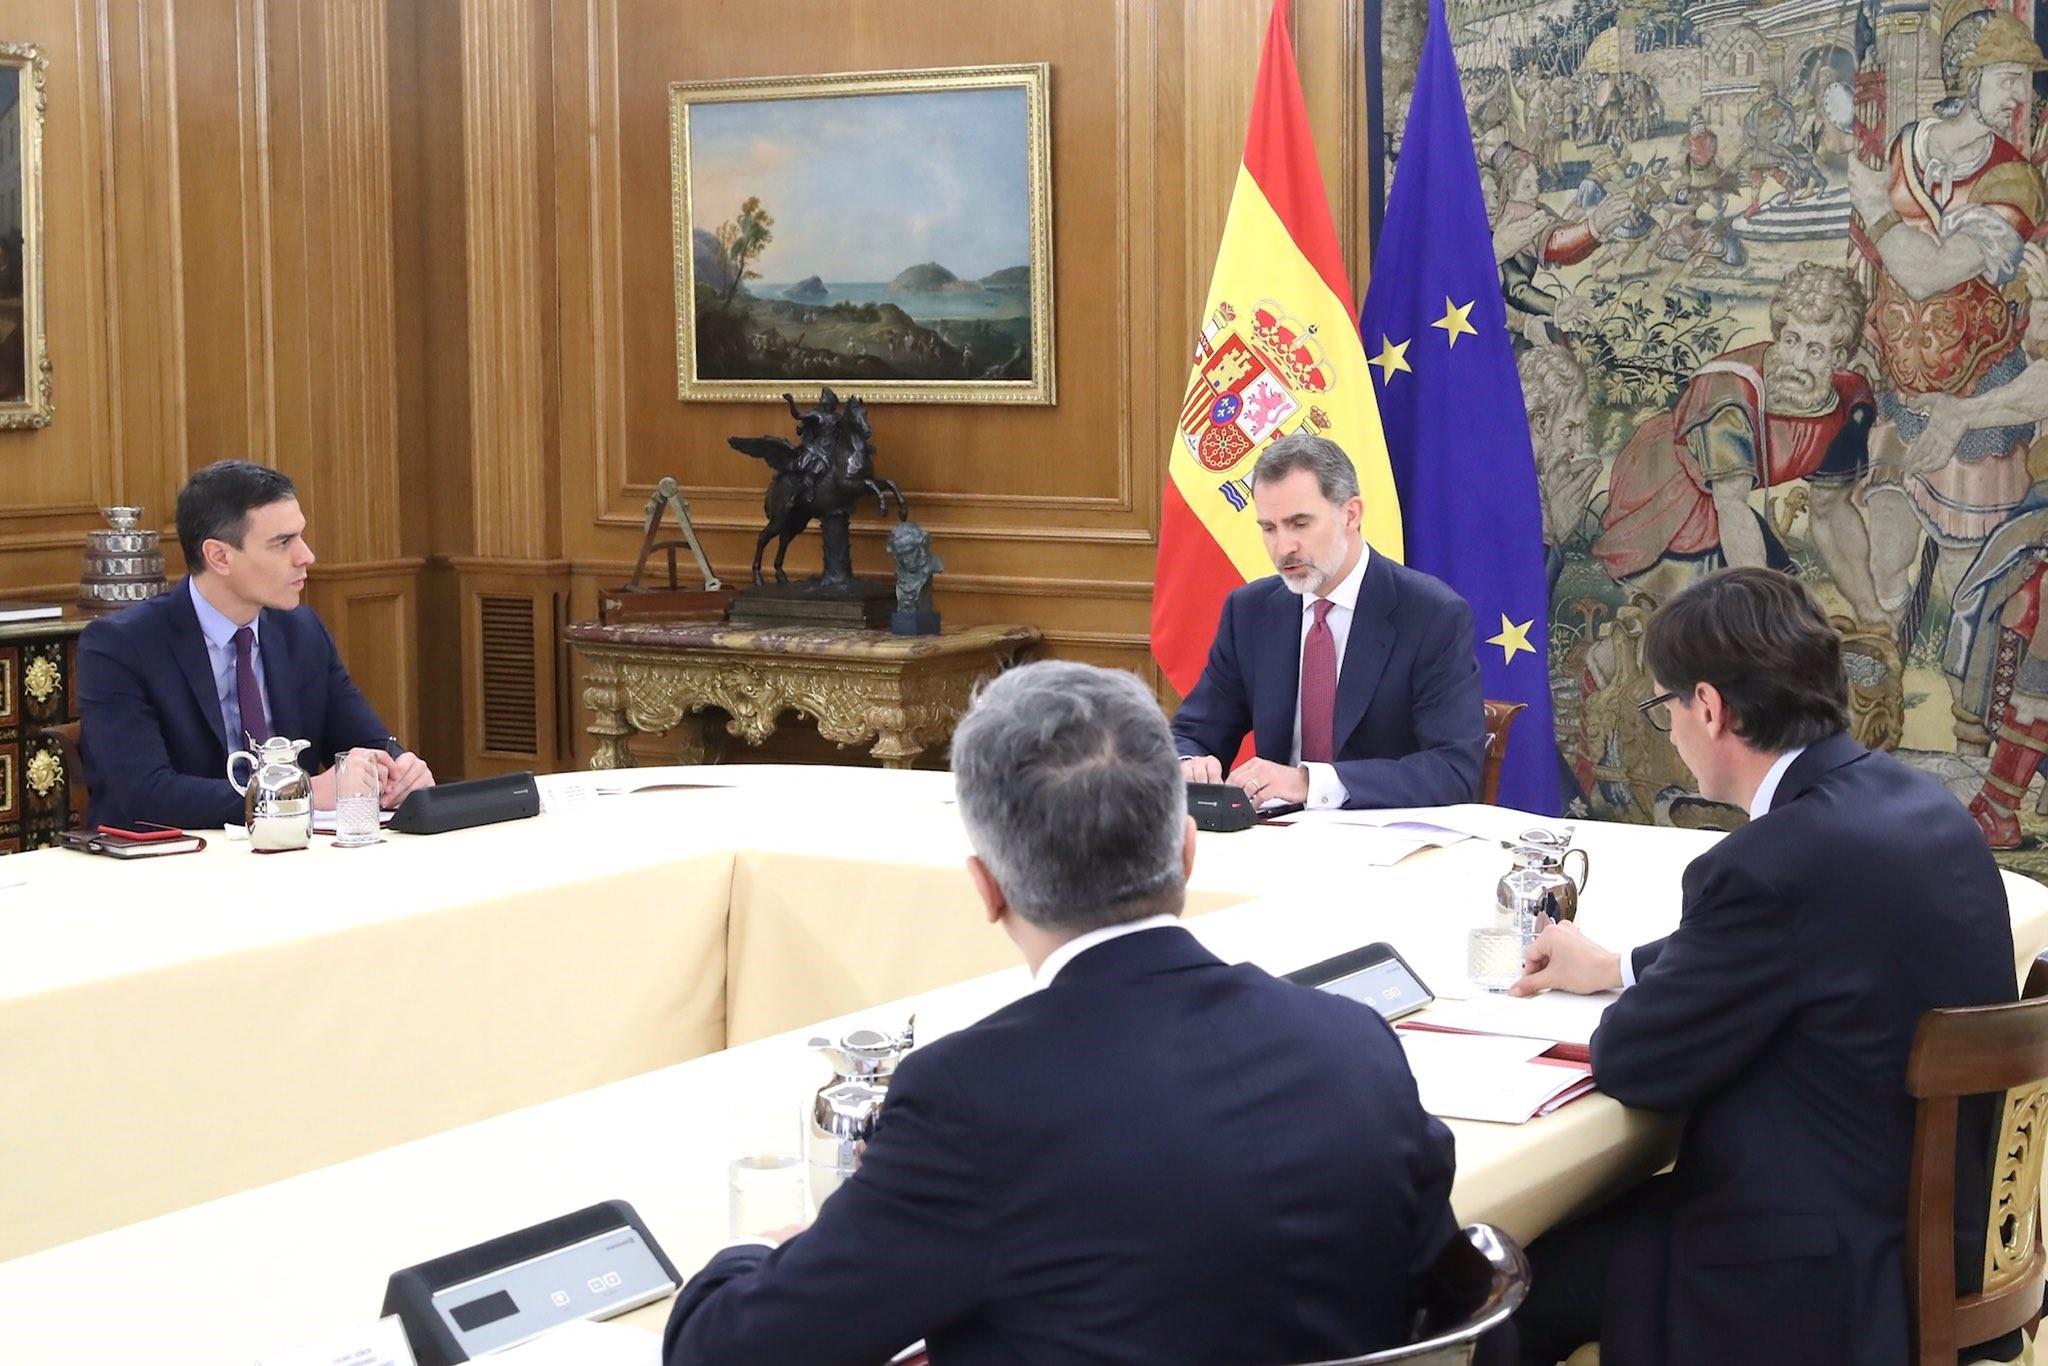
357 785
766 1192
1493 956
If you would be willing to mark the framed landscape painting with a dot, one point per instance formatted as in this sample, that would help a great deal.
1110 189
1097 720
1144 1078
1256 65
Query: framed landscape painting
24 354
887 231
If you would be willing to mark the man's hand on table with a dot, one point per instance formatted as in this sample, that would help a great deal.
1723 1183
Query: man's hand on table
1265 781
1202 768
1562 959
401 777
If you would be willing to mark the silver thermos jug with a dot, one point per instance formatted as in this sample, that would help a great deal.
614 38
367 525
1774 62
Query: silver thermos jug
844 1110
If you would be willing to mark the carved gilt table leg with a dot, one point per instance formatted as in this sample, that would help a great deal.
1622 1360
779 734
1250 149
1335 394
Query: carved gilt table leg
606 698
897 744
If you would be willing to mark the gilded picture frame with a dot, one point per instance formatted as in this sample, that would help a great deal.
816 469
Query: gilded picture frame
813 218
25 382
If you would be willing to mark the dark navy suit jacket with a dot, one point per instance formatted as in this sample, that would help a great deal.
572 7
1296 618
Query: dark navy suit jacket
1411 722
1158 1158
149 716
1779 1016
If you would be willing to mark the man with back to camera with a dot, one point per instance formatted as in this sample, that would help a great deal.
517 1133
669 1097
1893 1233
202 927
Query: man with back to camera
169 687
1778 1017
1353 674
1153 1156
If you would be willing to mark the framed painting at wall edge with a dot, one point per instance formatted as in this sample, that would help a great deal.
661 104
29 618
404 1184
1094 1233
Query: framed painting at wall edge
25 387
885 232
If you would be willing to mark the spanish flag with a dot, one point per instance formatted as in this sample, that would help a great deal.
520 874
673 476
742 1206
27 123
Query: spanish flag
1277 354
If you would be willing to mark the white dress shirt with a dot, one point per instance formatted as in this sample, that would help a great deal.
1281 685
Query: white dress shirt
219 633
1759 807
1081 943
1325 788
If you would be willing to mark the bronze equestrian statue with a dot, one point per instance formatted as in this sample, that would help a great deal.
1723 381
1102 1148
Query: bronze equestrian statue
818 477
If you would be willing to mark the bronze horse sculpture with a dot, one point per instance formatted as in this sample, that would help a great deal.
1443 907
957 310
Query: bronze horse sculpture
819 477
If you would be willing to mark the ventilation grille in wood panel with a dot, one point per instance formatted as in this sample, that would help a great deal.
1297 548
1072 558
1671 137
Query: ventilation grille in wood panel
510 705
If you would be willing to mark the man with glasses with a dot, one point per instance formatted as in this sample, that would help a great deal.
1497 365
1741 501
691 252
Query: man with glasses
1778 1017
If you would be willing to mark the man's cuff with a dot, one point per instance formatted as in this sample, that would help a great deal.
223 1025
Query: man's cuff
1326 791
1628 968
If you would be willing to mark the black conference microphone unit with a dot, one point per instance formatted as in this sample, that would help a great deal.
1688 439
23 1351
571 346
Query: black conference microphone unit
1220 806
457 806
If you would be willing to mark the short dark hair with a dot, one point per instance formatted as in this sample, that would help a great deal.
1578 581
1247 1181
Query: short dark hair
1760 638
1322 457
215 504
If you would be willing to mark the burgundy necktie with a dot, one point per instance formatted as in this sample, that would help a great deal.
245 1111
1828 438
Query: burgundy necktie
247 695
1318 688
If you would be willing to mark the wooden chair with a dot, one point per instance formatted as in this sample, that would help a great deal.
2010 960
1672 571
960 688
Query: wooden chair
1499 717
76 793
1970 1052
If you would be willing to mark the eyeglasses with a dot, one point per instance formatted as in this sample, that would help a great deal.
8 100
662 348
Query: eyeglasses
1657 711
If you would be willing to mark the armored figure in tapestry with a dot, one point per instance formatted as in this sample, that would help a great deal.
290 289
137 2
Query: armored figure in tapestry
1778 278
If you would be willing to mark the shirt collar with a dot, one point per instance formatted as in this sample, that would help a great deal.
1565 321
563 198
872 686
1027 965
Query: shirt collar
1081 943
1345 594
217 629
1760 804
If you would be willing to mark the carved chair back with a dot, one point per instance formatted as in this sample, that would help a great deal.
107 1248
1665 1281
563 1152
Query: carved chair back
1958 1053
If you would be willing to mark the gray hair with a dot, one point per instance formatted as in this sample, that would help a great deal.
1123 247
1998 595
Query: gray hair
1317 454
1071 791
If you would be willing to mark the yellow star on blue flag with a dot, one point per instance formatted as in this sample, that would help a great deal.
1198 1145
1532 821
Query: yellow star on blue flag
1512 638
1455 322
1392 359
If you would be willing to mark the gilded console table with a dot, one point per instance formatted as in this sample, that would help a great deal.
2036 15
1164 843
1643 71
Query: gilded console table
901 694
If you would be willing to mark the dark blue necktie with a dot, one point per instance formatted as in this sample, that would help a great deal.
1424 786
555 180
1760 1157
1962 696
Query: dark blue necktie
247 695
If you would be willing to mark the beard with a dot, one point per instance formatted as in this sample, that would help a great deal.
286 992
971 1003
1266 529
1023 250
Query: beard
1788 389
1323 570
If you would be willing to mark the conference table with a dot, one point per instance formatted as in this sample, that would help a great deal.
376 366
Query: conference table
316 1068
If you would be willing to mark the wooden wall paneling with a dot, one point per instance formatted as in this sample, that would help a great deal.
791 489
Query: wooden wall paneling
503 127
53 479
496 688
978 474
373 611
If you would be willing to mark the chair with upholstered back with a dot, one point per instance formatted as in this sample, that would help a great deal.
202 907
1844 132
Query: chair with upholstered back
1500 716
1958 1053
1491 1277
76 793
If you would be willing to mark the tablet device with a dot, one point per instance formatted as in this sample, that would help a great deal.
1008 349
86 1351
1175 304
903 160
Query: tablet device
1375 975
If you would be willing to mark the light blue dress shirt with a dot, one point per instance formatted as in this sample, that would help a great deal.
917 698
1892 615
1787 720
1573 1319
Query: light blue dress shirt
220 654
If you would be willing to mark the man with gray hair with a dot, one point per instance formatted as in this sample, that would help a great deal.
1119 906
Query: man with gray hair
1153 1156
1353 675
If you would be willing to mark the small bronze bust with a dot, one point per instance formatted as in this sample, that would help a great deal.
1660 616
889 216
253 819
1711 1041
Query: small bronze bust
910 545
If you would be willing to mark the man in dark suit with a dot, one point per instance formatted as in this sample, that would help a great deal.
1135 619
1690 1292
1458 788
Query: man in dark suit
1153 1157
1354 675
1778 1017
168 687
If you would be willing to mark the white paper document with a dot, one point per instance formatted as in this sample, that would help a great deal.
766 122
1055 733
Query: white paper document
1468 819
1366 845
378 1344
1486 1077
581 1342
1554 1017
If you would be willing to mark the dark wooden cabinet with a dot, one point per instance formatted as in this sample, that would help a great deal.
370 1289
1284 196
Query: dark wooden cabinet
38 675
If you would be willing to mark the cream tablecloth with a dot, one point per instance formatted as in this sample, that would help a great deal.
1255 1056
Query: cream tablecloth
180 1029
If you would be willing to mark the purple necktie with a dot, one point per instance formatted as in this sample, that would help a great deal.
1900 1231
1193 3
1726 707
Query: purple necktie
247 695
1318 688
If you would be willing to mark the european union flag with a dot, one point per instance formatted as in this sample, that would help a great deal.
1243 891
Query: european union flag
1435 329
